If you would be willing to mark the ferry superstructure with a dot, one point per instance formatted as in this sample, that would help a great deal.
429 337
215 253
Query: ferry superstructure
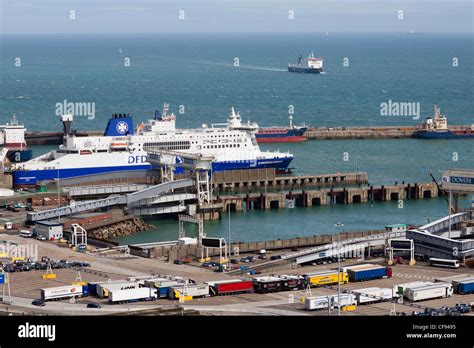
233 146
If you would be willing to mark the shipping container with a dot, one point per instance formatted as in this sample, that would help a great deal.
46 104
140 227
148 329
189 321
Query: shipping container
231 286
195 290
61 292
371 295
464 286
316 303
131 295
353 267
429 291
325 278
267 284
369 273
104 288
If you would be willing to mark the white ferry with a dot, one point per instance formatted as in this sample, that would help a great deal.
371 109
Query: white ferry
233 146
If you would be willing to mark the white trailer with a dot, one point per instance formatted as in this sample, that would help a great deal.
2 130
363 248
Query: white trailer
137 294
346 300
104 288
374 294
400 289
315 303
60 292
194 290
430 291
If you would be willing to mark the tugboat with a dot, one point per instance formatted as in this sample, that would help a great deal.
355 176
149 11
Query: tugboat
292 134
310 65
437 128
12 139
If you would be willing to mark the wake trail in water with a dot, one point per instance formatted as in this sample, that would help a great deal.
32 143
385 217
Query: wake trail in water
249 67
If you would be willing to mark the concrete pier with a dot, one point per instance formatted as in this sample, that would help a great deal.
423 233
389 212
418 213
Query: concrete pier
326 196
390 132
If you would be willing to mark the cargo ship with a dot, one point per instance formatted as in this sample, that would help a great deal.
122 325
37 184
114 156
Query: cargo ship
120 149
12 138
309 65
436 127
291 134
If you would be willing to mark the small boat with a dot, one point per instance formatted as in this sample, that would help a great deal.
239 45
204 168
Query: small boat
309 65
437 128
291 134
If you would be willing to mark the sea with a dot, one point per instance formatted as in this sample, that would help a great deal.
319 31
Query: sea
202 76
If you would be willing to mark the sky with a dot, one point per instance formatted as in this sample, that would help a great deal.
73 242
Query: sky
162 16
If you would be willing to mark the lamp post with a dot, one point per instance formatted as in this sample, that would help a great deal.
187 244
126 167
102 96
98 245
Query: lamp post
230 243
59 194
340 226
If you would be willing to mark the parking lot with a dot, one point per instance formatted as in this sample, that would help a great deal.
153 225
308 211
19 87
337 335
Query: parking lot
27 284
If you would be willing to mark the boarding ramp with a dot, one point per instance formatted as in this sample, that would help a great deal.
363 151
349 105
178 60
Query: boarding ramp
129 199
81 191
444 223
433 241
75 207
159 190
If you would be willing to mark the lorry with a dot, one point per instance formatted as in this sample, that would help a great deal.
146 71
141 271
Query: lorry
464 286
132 295
371 295
192 290
104 288
232 286
368 272
429 291
325 278
400 289
62 292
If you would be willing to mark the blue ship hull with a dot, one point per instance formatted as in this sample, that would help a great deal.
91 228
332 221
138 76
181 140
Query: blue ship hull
33 177
442 135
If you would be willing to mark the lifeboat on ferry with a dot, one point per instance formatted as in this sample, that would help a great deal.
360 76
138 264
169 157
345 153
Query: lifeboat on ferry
119 145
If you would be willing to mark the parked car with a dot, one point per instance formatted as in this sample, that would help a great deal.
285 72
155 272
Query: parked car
244 259
41 238
262 256
178 262
275 257
38 303
234 261
93 305
463 308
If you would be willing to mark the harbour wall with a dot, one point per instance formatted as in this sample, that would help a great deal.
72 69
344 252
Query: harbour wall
314 133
